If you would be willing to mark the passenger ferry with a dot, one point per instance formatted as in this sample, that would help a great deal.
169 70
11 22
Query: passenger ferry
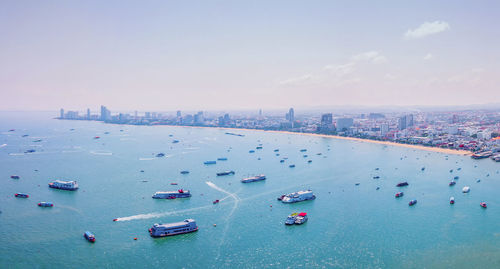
21 195
225 173
298 197
89 236
64 185
45 204
172 194
186 226
301 218
252 179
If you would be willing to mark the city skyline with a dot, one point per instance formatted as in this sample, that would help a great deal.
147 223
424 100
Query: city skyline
241 56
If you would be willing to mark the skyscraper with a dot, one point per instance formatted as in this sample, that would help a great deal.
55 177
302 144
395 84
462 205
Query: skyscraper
405 122
343 124
88 113
179 114
326 123
291 115
105 114
61 113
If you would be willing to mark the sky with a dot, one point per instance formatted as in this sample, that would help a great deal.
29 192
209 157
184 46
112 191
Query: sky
232 55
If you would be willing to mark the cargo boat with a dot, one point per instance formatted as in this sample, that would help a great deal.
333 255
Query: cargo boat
169 229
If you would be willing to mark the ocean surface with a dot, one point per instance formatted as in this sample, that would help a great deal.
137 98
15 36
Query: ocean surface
350 226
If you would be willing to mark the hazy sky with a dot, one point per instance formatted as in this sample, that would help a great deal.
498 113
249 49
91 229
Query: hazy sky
166 55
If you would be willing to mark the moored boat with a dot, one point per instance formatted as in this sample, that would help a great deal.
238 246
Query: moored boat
301 218
291 165
452 200
161 154
64 185
412 202
184 172
290 220
169 229
252 179
15 177
399 194
466 189
225 173
89 236
298 196
210 162
483 204
452 183
45 204
222 159
402 184
21 195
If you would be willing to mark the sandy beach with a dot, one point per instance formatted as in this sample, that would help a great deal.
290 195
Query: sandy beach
388 143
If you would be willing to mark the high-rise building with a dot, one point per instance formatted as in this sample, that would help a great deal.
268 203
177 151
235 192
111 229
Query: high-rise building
179 114
61 113
343 124
198 118
291 115
88 113
105 114
326 123
384 128
405 122
135 115
147 115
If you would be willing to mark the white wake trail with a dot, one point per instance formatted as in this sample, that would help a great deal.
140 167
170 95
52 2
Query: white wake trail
158 214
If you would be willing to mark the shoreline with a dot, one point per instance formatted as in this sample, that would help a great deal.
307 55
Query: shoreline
387 143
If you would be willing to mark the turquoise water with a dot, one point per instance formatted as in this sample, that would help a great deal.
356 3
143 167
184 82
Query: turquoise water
349 225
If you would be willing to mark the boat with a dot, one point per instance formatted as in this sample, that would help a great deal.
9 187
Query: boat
251 151
64 185
319 153
21 195
291 165
169 229
301 218
357 184
482 204
225 173
45 204
97 137
477 181
210 162
298 197
376 177
252 179
456 177
115 219
30 151
222 159
466 189
259 147
452 183
496 158
276 150
481 155
171 194
15 177
290 220
184 172
402 184
452 200
37 140
160 155
280 198
423 168
399 194
89 236
216 202
173 183
412 202
310 161
305 155
303 150
282 161
175 141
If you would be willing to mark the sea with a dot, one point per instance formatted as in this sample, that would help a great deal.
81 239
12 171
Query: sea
354 222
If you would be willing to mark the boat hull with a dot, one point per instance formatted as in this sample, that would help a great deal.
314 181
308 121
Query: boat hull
172 234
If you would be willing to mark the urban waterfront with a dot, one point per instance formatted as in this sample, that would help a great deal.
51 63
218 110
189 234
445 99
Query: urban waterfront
349 225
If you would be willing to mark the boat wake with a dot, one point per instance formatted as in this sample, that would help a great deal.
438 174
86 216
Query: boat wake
104 153
16 154
146 159
159 214
3 145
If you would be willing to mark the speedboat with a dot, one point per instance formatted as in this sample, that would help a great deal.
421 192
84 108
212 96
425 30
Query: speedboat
173 183
290 220
45 204
399 194
402 184
160 155
301 218
412 202
452 183
97 137
466 189
452 200
14 177
216 202
89 236
184 172
21 195
482 204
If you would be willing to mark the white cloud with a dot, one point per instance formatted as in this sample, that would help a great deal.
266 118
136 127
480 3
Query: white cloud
427 28
371 56
340 70
308 78
428 57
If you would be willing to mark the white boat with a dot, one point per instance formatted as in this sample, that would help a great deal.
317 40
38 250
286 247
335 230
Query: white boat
64 185
186 226
291 219
301 218
252 179
466 189
172 194
298 196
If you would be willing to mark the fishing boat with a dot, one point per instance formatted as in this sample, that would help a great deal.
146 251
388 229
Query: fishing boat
482 204
452 183
412 202
14 177
402 184
290 220
291 165
452 200
210 162
21 195
169 229
466 189
399 194
89 236
184 172
45 204
301 218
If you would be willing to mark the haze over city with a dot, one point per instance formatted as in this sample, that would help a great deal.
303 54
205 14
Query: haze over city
247 55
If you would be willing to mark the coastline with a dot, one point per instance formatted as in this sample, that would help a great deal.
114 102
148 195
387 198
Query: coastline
387 143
